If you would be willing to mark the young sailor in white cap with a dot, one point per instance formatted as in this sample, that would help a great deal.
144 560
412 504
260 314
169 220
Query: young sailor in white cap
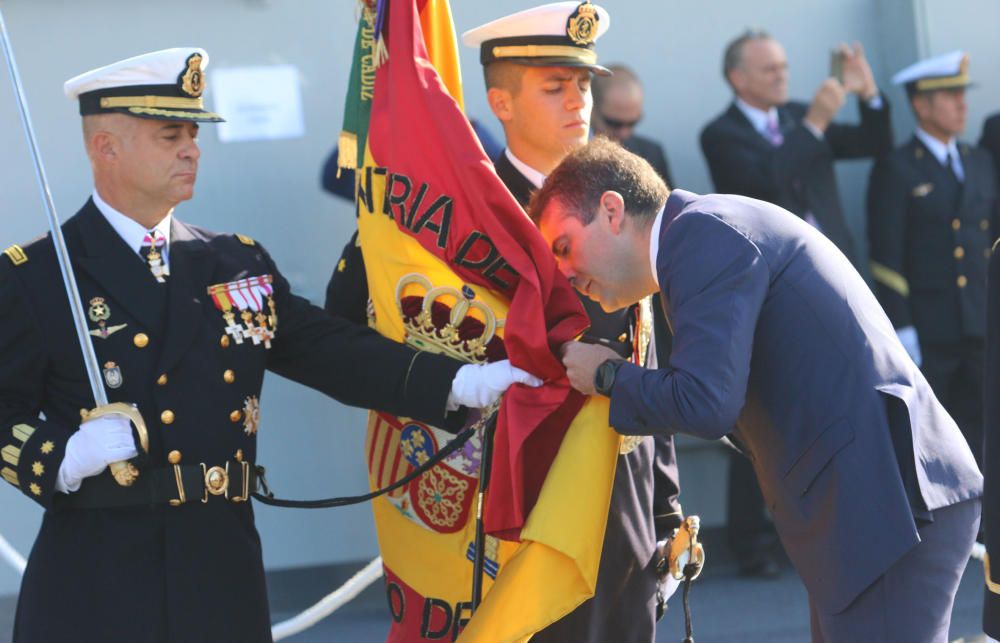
537 65
185 322
932 219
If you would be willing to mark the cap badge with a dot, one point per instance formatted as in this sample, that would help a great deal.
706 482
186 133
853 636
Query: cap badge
582 24
192 81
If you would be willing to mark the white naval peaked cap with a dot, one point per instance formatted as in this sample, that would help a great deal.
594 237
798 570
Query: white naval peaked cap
559 34
948 71
166 84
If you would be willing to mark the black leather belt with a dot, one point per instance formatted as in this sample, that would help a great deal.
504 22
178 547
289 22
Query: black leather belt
172 485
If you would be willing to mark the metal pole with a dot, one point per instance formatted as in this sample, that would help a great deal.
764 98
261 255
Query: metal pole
486 468
69 279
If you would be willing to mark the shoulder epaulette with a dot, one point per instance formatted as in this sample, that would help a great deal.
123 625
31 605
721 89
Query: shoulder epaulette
16 255
245 240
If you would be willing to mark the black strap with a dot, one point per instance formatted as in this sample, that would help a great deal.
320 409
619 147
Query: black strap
268 498
156 486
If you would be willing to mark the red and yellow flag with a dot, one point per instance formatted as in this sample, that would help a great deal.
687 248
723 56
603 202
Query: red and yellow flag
455 266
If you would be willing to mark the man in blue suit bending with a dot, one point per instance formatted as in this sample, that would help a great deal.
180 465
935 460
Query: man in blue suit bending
873 489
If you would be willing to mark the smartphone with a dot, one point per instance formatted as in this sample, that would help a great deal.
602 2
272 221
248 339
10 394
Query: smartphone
837 65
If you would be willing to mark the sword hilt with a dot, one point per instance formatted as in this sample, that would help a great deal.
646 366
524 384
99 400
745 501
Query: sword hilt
125 472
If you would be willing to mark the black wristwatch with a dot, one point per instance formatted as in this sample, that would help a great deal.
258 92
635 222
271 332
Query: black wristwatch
604 376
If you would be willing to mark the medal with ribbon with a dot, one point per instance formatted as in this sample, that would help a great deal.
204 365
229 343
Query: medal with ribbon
253 299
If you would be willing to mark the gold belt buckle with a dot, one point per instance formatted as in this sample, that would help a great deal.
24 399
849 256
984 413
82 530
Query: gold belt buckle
216 481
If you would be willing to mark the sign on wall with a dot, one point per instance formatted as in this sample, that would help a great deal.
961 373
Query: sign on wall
258 103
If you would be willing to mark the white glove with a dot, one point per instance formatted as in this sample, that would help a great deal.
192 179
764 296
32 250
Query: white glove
90 450
668 587
479 385
908 338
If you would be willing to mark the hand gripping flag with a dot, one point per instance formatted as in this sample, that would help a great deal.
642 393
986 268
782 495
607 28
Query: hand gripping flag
455 266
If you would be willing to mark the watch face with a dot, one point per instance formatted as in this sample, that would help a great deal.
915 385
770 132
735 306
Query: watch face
604 378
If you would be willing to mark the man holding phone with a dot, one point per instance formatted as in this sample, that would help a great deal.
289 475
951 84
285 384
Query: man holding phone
766 147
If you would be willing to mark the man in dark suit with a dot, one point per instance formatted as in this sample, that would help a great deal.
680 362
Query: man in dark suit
185 323
768 148
873 489
618 108
933 212
990 140
542 98
991 452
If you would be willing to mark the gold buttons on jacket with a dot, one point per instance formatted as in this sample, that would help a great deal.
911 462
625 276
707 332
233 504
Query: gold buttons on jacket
235 416
141 340
162 380
984 225
224 341
174 457
962 281
229 376
956 224
959 252
167 417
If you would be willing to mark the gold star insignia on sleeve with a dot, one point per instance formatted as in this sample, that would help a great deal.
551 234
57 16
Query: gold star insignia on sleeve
37 468
35 489
341 265
47 447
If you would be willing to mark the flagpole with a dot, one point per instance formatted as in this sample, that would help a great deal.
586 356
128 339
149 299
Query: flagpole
486 467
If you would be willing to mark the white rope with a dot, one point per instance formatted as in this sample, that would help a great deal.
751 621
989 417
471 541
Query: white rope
12 556
331 602
328 604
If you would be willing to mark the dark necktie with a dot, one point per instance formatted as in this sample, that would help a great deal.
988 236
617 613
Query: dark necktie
152 253
949 163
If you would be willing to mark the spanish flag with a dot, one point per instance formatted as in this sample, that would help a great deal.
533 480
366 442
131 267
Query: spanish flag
455 266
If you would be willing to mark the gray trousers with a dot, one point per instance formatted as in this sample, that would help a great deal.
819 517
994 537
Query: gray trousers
912 601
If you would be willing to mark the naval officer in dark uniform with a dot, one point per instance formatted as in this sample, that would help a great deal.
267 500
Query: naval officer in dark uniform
932 216
538 71
184 323
991 452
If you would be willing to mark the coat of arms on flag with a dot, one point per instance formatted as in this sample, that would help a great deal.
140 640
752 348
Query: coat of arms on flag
454 266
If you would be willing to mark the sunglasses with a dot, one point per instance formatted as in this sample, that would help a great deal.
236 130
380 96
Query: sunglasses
614 123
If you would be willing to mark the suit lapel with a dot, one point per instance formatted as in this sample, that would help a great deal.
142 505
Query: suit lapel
740 119
517 183
968 185
117 269
942 180
191 266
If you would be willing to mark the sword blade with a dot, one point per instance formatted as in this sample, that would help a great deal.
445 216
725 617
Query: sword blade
69 279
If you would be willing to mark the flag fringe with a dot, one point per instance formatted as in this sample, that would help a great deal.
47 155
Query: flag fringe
347 155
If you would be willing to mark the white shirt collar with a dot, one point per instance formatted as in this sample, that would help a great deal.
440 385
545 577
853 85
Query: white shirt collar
530 173
937 148
130 230
757 117
654 242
